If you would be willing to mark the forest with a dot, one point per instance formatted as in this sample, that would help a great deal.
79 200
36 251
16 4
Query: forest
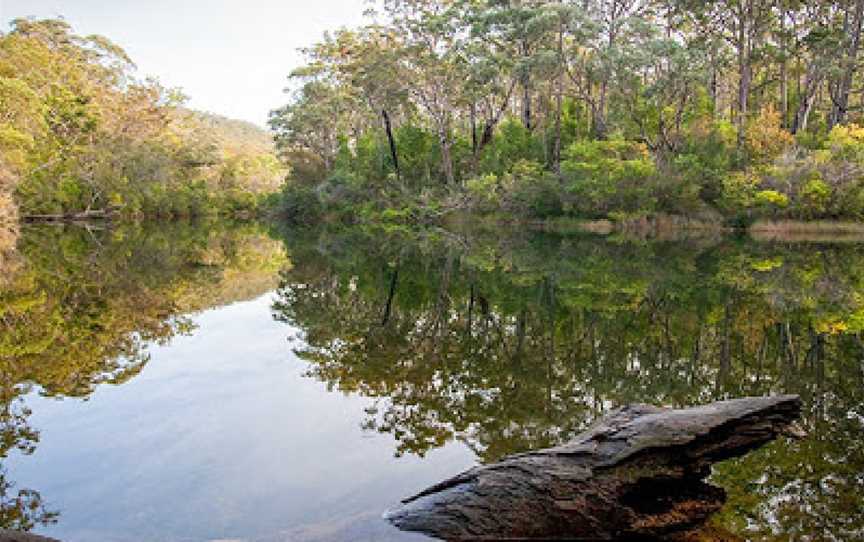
726 111
81 135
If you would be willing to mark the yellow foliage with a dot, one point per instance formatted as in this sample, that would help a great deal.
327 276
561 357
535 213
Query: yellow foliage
766 139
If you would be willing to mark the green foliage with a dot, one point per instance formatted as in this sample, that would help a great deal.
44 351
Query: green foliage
419 154
299 204
706 156
524 190
607 176
512 143
470 89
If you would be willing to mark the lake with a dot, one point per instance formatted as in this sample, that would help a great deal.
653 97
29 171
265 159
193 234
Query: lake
216 381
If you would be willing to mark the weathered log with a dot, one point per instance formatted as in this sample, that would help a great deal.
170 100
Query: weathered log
16 536
636 473
97 214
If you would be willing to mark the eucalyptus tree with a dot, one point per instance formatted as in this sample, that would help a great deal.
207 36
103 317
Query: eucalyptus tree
743 25
851 13
513 31
659 75
366 63
599 33
432 59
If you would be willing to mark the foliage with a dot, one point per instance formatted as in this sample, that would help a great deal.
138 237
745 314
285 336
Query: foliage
78 133
821 183
608 176
299 204
524 190
766 139
442 96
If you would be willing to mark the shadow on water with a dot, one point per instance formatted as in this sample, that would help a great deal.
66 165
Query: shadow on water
517 342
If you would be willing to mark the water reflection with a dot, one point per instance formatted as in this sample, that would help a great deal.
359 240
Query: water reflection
501 341
513 342
80 305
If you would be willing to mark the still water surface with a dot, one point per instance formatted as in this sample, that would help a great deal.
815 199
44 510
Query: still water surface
223 382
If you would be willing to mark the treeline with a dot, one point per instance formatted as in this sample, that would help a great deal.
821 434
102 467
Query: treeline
591 108
79 134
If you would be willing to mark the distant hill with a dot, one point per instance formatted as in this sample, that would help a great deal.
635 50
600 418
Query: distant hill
237 136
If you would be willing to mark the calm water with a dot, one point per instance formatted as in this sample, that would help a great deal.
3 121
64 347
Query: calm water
216 382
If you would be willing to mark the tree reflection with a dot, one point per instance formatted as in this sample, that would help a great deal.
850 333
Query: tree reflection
84 304
515 343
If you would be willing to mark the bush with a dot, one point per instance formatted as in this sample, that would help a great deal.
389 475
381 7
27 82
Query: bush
419 154
512 143
534 192
300 204
706 156
526 190
606 176
766 139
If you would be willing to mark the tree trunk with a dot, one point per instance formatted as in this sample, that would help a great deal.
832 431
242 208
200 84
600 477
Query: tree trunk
474 130
636 474
446 158
744 81
784 75
526 93
388 306
598 112
840 97
559 91
808 95
393 154
526 105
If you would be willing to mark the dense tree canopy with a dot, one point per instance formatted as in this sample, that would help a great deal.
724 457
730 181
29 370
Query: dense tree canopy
746 107
80 133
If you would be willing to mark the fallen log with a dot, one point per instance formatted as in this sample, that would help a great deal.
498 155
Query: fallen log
16 536
636 473
98 214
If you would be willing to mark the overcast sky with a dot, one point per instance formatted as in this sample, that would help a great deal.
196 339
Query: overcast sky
230 56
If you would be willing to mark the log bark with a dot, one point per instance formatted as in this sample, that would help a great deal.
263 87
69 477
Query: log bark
15 536
97 214
637 473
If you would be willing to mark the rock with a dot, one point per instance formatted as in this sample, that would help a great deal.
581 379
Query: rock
636 473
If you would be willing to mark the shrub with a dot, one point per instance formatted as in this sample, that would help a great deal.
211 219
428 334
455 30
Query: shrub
766 139
419 154
526 190
706 156
606 176
533 191
771 200
484 192
300 204
512 143
814 197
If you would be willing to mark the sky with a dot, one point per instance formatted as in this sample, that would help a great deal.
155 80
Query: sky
230 57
